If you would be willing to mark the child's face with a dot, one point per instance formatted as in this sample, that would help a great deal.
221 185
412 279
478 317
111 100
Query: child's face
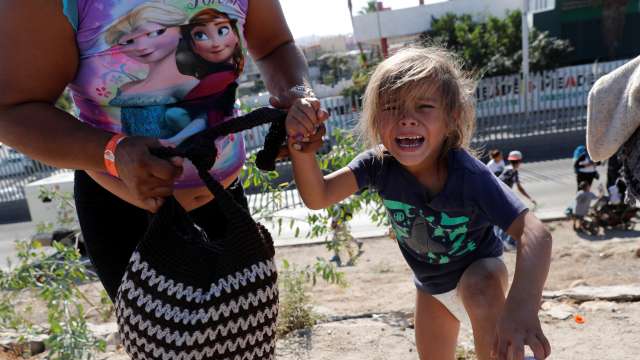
150 43
216 41
498 158
414 136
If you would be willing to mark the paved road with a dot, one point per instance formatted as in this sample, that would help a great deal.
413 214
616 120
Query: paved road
551 183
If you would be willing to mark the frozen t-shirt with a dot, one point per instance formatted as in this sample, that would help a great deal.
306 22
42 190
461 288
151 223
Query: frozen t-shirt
441 236
164 69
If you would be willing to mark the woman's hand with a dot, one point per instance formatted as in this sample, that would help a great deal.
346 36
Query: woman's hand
149 179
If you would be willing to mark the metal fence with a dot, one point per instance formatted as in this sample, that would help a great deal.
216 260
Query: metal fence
556 102
18 170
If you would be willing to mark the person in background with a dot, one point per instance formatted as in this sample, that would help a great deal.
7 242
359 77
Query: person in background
496 164
613 170
617 192
584 196
510 175
584 167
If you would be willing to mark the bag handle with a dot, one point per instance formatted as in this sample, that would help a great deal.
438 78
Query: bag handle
201 149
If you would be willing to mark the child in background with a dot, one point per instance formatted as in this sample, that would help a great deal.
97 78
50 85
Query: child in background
510 175
496 164
442 202
584 196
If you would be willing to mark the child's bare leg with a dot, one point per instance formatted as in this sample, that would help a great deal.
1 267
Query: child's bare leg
436 329
482 289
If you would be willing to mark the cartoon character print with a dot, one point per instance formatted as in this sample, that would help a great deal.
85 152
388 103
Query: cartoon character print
176 97
210 51
437 237
149 35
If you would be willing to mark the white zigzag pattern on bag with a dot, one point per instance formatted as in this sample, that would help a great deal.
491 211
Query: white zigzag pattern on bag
186 316
261 270
169 335
131 336
250 355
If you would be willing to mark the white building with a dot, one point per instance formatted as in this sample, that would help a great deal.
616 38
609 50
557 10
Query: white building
406 24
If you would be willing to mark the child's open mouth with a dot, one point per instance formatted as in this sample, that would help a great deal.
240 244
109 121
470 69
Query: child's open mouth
409 142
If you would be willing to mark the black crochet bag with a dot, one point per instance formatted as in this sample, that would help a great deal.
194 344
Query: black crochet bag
187 297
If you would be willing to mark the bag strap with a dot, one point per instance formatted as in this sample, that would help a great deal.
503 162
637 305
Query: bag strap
201 150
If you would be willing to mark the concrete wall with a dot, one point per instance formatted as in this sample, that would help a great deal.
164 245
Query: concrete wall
414 20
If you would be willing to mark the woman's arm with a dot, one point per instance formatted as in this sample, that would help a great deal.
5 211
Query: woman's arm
35 67
271 44
38 58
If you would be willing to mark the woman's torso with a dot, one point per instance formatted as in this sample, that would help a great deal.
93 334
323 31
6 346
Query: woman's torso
156 68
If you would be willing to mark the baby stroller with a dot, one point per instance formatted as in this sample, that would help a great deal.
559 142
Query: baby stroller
609 216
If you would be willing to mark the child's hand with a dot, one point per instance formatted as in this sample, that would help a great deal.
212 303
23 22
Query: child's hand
519 326
303 122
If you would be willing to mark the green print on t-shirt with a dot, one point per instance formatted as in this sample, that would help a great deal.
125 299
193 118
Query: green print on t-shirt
438 242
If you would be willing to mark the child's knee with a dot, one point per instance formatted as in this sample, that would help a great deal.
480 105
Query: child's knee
482 282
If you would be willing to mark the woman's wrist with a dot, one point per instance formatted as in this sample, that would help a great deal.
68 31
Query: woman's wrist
110 154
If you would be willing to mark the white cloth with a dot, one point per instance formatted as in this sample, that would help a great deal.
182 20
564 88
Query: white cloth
453 302
613 110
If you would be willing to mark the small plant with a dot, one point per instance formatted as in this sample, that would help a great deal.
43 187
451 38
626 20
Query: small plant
295 303
55 279
54 276
106 308
65 211
342 239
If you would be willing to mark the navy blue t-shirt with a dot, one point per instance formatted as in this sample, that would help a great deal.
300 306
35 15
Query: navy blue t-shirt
441 236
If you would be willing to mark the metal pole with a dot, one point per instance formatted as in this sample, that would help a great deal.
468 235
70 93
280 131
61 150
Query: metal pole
525 57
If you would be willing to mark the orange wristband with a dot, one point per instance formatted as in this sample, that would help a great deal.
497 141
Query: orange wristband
110 154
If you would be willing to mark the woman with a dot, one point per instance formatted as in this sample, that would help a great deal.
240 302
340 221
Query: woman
36 66
118 181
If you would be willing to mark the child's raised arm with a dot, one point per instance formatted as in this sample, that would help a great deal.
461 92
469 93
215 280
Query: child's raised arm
519 324
317 191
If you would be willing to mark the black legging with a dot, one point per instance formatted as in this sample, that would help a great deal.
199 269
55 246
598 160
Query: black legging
588 177
112 227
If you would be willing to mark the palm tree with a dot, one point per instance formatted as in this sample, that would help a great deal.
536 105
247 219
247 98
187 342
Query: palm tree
370 8
362 57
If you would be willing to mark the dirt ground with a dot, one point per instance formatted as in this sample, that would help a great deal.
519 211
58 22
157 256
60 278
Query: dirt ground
372 317
379 302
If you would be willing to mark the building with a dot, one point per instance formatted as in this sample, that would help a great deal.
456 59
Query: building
405 25
599 30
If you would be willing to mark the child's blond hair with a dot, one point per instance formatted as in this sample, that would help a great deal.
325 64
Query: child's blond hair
412 73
